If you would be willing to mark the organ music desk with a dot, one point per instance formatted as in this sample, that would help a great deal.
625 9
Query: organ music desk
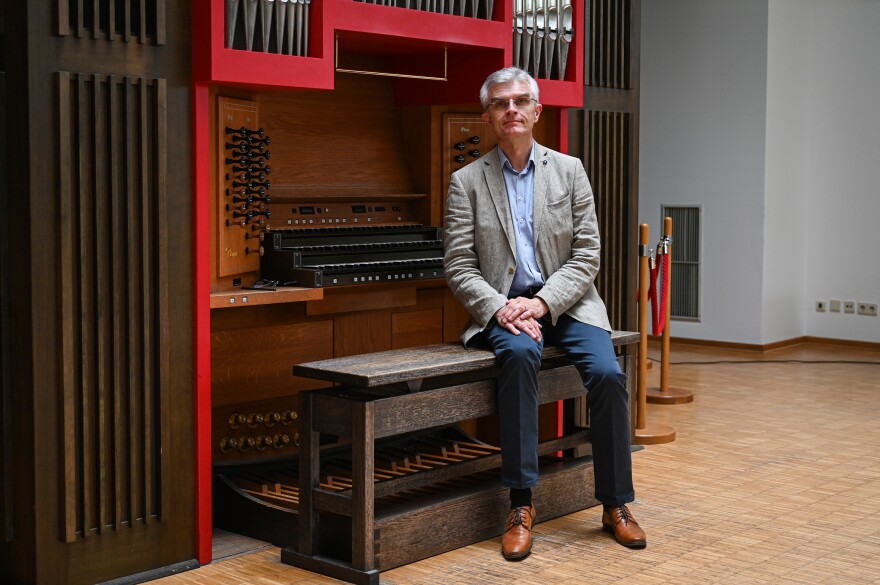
412 484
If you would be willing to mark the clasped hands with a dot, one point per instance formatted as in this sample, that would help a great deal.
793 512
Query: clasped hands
522 314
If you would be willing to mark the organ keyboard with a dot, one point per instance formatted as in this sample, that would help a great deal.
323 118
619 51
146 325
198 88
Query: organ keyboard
334 256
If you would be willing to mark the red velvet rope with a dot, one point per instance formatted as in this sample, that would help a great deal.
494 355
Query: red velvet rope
658 309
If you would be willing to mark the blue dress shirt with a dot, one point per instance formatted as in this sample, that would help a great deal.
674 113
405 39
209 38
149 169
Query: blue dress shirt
521 197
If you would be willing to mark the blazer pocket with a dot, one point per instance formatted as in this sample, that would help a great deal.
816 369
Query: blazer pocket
559 207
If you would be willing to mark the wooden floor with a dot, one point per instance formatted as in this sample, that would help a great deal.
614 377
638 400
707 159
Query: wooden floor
774 478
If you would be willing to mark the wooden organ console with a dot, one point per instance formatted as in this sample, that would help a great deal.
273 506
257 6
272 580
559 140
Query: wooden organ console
327 245
338 256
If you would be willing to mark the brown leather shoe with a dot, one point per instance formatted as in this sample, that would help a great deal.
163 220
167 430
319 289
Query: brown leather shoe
620 522
516 543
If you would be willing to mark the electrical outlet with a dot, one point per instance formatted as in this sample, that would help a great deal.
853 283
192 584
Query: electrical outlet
834 306
869 309
820 306
849 306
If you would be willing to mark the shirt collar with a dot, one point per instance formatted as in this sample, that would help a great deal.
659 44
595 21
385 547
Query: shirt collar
505 162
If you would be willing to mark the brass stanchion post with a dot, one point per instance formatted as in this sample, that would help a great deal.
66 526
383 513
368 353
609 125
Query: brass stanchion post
664 394
646 434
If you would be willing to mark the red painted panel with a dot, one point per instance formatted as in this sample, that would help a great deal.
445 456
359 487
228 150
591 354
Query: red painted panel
202 316
482 45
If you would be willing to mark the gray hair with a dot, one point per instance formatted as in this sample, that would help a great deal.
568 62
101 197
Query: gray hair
507 75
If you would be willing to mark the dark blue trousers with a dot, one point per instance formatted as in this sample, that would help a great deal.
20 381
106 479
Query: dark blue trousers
590 350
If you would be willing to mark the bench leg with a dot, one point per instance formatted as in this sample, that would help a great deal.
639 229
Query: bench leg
362 522
309 480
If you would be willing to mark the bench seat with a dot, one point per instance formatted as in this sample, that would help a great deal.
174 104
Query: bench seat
383 396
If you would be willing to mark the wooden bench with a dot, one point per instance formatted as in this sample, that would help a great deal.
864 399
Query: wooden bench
400 393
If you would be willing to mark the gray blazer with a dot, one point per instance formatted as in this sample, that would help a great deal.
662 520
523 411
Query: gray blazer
480 245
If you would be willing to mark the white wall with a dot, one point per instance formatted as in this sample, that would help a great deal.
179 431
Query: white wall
843 180
785 182
703 101
767 113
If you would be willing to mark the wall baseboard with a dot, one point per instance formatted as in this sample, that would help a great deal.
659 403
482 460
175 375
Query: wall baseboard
855 344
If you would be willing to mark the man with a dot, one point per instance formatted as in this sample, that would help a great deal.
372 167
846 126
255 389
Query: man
521 255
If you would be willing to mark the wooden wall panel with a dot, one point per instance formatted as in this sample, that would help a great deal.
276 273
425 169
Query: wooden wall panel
363 332
369 298
344 143
6 435
102 356
114 359
414 328
257 363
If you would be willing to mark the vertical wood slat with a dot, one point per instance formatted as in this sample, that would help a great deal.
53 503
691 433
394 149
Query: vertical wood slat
134 302
117 250
96 19
613 206
614 253
126 34
63 9
601 168
86 330
594 34
162 301
147 279
621 45
111 22
600 25
103 315
68 285
113 300
608 27
161 23
80 17
142 6
617 81
6 440
623 219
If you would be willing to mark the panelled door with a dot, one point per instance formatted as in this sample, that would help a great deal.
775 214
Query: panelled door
97 290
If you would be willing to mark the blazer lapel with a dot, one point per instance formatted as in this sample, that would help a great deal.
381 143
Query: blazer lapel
498 193
539 214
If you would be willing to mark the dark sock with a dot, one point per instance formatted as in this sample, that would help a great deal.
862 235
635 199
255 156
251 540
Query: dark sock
520 497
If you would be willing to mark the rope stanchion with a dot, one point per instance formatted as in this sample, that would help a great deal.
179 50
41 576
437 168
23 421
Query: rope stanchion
646 433
665 394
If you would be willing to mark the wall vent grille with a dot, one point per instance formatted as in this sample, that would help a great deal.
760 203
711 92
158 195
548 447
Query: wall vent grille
685 293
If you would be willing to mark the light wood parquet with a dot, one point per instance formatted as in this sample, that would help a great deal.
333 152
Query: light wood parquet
774 478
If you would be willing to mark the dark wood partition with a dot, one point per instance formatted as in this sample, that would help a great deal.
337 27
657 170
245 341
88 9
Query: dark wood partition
6 503
97 291
605 135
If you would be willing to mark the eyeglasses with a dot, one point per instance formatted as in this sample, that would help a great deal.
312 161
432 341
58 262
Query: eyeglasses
521 102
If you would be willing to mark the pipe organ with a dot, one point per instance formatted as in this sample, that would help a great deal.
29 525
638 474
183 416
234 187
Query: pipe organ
327 237
293 210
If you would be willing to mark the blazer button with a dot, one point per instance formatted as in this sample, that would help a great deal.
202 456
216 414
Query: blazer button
511 270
